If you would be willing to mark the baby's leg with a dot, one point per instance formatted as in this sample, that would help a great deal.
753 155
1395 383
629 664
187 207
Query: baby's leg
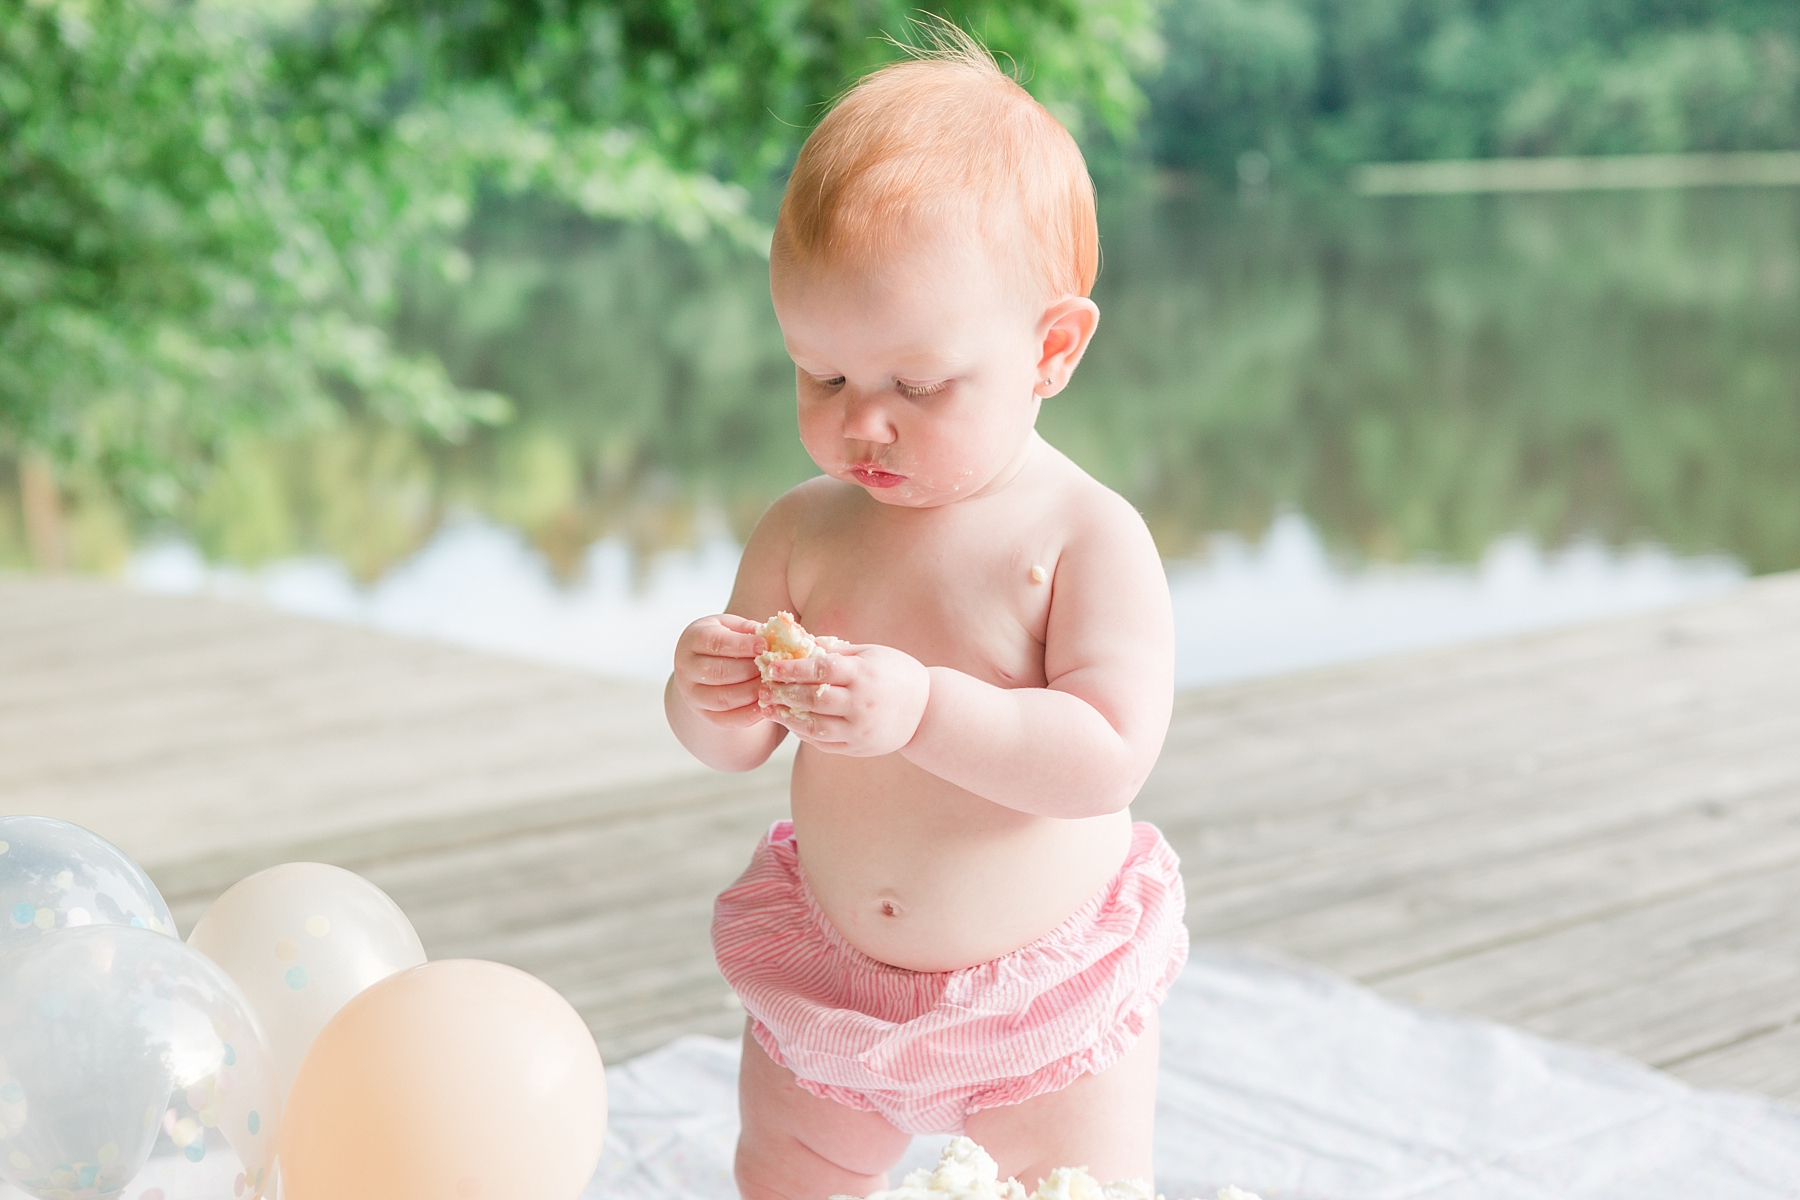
795 1146
1102 1122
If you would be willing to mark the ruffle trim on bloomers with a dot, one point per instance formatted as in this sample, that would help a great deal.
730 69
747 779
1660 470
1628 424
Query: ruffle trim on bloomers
925 1049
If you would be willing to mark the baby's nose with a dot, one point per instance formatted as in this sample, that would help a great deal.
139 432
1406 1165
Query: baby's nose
866 420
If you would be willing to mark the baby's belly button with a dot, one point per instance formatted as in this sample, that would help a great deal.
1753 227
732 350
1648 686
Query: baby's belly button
889 928
885 910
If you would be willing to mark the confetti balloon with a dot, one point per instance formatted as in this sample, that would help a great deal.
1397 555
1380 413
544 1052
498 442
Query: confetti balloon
131 1067
456 1080
54 875
300 940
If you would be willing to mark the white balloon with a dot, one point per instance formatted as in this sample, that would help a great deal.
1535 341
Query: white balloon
300 940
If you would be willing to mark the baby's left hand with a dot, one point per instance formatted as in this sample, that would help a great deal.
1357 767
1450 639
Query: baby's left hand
863 701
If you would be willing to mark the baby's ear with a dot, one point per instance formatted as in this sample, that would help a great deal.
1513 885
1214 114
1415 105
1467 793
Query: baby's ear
1065 330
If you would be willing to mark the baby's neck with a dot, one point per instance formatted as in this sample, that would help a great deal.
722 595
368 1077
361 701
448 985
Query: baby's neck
1028 453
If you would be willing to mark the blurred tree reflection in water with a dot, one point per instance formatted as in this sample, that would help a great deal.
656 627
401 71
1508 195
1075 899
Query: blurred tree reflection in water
657 369
1294 86
1418 377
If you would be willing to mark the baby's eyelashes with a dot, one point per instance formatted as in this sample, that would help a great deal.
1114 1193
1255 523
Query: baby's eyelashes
915 390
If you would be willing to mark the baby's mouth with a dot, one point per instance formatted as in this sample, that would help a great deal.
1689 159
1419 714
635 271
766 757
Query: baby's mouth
870 475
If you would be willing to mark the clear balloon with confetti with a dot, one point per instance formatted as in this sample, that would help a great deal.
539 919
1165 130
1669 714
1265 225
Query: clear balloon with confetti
131 1067
54 876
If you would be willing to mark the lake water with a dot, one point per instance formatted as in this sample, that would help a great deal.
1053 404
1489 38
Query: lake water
1354 426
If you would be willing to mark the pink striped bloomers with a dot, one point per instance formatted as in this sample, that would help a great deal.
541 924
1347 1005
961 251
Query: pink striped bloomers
927 1048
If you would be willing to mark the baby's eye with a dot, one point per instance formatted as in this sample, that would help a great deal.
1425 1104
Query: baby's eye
923 389
830 384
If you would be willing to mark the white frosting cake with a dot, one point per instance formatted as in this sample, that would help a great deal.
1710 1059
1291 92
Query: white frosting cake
967 1172
785 638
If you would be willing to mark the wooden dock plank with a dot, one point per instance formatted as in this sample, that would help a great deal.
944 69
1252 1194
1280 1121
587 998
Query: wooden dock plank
1764 1062
1476 829
1672 982
1442 897
1594 833
189 727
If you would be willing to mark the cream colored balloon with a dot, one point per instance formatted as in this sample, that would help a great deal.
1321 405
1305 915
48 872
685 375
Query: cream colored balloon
300 940
456 1080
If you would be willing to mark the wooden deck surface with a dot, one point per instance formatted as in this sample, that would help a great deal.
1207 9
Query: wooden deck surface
1592 833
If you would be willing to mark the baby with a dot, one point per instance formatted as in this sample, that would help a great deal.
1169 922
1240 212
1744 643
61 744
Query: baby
960 929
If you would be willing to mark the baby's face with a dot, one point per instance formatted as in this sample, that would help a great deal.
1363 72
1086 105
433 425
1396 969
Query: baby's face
917 379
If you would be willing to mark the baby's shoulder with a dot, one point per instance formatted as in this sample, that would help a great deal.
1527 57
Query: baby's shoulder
808 502
806 515
1088 510
1109 575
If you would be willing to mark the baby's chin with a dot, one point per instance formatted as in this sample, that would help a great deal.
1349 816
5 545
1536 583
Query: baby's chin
920 491
909 495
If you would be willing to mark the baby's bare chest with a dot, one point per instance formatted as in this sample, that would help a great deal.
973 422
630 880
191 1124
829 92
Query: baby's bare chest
970 595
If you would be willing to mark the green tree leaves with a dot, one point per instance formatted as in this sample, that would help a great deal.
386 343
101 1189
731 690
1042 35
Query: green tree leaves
1333 82
206 207
162 282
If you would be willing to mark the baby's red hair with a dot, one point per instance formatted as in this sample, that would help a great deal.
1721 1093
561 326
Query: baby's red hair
942 138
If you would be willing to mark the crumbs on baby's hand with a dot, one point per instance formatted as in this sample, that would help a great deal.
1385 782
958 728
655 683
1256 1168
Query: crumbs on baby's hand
787 639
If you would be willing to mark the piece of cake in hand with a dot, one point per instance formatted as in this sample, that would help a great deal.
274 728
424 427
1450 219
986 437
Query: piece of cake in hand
786 638
967 1172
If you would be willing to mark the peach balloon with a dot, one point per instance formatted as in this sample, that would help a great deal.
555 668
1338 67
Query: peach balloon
455 1080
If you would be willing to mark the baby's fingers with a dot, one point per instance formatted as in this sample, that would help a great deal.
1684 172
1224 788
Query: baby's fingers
723 636
724 699
711 670
815 729
809 697
749 714
823 668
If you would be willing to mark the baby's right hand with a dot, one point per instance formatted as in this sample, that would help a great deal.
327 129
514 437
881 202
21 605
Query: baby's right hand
715 670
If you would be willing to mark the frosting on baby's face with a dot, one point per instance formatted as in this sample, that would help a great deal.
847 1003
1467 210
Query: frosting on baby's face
967 1172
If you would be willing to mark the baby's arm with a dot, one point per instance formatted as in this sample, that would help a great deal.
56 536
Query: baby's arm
1079 747
711 698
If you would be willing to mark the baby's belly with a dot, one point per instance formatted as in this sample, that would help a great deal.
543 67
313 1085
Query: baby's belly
923 875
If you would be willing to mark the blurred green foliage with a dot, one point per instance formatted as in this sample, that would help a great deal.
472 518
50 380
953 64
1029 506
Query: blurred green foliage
1417 377
167 276
651 382
1321 83
269 266
206 206
1420 377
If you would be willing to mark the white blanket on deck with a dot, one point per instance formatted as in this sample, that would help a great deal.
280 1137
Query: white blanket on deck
1295 1084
